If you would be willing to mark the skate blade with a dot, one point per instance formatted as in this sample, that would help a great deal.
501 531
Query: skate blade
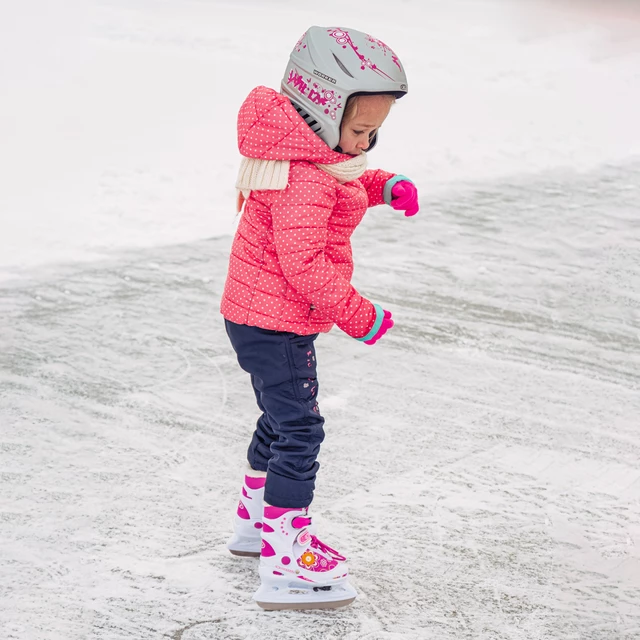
245 554
293 597
244 546
301 606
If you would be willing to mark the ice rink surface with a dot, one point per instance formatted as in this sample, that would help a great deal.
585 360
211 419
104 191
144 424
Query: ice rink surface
481 469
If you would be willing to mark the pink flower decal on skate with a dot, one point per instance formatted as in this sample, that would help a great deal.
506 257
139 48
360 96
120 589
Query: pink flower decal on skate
316 562
342 38
319 557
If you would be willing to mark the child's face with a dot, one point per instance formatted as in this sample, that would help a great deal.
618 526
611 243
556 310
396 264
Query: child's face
357 131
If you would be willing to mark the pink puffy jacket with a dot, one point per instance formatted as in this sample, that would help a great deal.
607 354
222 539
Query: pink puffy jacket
291 264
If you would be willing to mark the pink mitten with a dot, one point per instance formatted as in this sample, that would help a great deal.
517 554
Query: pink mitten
404 197
387 323
382 324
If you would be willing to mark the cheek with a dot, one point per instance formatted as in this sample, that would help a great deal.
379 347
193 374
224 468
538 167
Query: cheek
345 139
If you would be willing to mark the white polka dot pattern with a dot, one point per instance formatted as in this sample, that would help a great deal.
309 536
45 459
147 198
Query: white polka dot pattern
291 264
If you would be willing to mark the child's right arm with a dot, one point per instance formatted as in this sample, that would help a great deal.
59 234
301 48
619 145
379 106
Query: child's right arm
300 216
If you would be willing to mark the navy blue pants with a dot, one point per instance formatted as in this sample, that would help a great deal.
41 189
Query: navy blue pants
288 434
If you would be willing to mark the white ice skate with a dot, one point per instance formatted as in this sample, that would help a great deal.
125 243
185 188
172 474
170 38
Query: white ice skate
298 571
247 523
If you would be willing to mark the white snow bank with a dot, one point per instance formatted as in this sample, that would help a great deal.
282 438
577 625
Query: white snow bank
117 118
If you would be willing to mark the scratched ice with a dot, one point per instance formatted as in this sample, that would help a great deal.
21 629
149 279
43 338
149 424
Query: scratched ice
482 464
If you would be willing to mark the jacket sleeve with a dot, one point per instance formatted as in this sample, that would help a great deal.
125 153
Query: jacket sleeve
300 216
373 180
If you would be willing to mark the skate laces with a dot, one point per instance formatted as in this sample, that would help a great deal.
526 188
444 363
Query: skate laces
321 546
303 522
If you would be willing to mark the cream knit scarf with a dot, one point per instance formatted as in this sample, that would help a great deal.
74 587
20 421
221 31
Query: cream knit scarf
260 175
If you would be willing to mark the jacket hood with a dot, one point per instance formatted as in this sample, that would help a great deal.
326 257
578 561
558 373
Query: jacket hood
269 128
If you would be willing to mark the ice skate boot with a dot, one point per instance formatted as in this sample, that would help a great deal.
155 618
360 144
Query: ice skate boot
247 522
297 571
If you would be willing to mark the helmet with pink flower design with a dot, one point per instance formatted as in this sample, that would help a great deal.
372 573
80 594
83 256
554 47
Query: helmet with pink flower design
329 65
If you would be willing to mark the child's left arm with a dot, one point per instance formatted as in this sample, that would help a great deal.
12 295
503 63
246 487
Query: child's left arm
393 189
374 180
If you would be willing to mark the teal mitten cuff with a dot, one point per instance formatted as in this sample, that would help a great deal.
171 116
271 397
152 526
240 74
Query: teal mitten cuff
376 325
390 183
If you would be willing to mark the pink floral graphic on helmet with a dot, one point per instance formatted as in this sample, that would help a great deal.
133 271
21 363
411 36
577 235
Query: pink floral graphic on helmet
295 78
342 38
315 92
299 44
384 48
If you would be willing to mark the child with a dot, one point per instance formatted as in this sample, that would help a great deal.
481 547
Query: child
305 188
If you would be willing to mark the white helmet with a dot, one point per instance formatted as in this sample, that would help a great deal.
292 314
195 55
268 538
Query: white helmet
328 65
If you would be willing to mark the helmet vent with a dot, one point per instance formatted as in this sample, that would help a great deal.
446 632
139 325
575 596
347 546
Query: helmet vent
341 65
309 119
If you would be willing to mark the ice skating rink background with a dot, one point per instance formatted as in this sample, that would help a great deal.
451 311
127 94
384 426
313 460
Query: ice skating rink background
482 463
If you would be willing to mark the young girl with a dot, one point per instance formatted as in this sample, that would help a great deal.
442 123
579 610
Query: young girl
305 188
